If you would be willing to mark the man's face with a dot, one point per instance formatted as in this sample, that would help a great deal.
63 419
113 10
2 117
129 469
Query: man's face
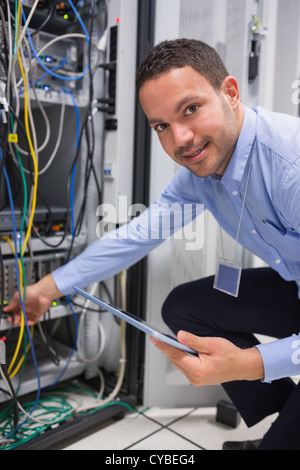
197 126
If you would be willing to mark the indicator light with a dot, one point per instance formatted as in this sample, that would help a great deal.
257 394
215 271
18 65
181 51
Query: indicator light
117 20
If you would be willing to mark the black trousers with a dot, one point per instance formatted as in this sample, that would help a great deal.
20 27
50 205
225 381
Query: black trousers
266 305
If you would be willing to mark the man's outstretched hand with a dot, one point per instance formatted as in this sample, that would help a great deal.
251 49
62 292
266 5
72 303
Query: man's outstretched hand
37 301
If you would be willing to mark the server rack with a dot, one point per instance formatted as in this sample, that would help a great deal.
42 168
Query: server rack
45 259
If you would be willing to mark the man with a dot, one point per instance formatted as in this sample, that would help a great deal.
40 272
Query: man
244 166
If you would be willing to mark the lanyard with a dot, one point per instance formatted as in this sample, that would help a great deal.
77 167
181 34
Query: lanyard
228 273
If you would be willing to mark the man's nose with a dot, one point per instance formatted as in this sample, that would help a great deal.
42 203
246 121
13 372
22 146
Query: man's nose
182 135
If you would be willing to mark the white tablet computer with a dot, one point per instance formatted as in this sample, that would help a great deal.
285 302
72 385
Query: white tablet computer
137 322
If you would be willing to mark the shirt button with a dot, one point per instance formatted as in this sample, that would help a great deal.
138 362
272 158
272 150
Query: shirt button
235 193
277 261
253 231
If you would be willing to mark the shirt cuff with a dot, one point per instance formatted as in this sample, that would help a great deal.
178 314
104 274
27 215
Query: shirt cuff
281 358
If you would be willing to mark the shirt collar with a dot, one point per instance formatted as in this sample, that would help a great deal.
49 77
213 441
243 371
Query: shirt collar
237 164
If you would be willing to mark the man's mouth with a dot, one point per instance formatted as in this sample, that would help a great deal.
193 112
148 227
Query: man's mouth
196 155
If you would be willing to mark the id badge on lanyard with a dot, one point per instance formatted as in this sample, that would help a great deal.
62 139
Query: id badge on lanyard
228 273
228 276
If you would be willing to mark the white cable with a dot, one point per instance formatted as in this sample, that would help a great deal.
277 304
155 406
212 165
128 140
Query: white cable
9 51
31 121
47 123
33 8
50 43
58 141
122 360
80 330
53 41
33 418
89 360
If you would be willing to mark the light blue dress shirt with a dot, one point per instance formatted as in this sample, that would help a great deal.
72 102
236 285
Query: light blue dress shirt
270 225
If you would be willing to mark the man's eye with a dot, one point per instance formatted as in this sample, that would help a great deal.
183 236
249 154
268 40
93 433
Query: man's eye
191 109
160 127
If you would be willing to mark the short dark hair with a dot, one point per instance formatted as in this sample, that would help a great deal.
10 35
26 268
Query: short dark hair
178 53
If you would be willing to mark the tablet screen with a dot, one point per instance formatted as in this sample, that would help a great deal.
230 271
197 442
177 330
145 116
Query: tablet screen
137 322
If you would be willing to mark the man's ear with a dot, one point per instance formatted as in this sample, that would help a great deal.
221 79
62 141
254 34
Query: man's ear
231 92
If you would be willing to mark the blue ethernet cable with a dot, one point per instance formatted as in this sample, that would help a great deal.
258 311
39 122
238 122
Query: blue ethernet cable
61 64
80 21
61 77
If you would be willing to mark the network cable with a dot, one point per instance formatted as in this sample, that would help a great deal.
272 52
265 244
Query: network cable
17 263
20 293
46 20
6 378
86 130
61 77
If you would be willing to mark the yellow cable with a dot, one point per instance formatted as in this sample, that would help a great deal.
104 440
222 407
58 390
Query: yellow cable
8 240
26 122
21 332
21 326
23 356
32 209
258 24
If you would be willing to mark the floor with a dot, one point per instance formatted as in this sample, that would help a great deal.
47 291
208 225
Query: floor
165 429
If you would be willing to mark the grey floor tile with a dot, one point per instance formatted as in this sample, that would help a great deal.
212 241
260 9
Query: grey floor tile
201 427
167 416
164 440
117 436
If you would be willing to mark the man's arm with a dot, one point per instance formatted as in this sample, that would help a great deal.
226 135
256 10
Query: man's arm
112 253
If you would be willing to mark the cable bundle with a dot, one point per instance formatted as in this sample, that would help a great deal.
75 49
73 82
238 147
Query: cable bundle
21 182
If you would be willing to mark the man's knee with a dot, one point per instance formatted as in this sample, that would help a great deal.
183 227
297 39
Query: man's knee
189 307
173 308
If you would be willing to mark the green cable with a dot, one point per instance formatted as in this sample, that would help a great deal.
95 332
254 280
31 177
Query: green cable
113 403
57 405
21 249
63 411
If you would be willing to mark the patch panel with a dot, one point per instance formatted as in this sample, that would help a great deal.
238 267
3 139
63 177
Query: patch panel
35 269
50 58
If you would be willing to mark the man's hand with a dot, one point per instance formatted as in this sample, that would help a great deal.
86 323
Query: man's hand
218 360
37 301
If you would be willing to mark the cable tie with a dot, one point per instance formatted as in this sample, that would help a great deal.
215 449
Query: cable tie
13 138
